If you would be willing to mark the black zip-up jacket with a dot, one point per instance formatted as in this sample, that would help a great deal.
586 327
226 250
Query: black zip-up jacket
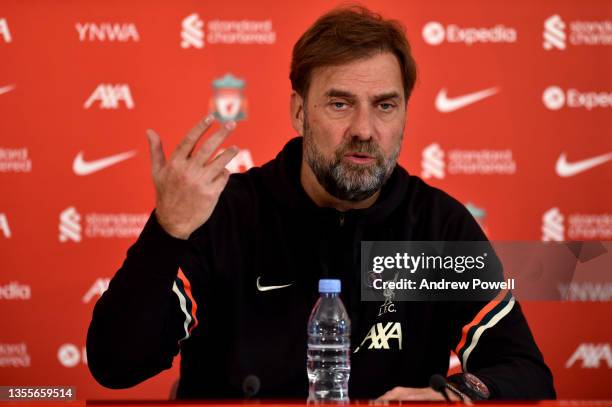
206 297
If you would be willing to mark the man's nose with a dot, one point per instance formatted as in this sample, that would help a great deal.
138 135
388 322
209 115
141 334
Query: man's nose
362 124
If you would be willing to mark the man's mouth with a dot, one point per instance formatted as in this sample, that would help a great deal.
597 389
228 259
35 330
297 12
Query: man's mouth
359 158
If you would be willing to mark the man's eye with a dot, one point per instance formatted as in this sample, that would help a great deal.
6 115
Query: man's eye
386 106
339 105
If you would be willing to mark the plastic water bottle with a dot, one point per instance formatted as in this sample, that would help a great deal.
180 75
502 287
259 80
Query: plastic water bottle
329 346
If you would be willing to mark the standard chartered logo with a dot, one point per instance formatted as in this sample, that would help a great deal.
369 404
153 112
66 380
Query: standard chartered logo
554 33
553 98
558 34
70 225
192 33
231 32
437 163
433 162
552 226
14 355
74 227
15 160
557 226
433 33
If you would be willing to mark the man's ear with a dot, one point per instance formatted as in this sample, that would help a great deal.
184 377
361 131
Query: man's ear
297 113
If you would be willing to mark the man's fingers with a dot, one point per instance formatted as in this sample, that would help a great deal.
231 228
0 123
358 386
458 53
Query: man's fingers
218 164
390 395
187 144
210 145
411 393
220 181
158 159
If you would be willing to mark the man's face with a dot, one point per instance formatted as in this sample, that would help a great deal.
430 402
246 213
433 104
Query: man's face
353 125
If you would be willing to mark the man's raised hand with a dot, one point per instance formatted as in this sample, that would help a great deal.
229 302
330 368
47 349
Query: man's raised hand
188 185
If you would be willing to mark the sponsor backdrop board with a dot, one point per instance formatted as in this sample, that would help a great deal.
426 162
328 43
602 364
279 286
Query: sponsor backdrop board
511 115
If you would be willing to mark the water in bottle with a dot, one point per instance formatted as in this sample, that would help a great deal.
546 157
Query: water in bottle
329 332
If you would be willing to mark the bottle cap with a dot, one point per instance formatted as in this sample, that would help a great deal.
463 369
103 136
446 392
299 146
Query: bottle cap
329 286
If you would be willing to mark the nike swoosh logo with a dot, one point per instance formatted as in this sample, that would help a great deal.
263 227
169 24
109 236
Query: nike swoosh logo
445 104
6 89
565 169
82 167
270 287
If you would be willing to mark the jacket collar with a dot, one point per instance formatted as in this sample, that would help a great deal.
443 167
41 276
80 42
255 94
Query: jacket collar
281 176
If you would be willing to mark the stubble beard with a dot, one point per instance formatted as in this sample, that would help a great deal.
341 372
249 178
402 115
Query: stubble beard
343 179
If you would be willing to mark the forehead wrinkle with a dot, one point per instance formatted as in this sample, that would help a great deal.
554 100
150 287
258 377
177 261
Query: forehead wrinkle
354 85
360 78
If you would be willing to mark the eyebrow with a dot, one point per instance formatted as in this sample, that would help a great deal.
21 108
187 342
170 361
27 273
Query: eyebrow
345 94
339 93
386 96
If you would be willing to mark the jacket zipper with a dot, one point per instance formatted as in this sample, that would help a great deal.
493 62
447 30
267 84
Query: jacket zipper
341 219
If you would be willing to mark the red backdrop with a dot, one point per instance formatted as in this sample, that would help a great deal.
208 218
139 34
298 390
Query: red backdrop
511 115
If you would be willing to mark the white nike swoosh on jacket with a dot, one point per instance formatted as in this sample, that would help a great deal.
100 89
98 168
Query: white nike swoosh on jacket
82 167
445 104
270 287
565 169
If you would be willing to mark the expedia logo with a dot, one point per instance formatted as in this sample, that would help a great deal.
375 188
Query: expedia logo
69 355
435 33
15 291
555 98
383 336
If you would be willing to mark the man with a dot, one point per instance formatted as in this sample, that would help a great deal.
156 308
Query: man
226 269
